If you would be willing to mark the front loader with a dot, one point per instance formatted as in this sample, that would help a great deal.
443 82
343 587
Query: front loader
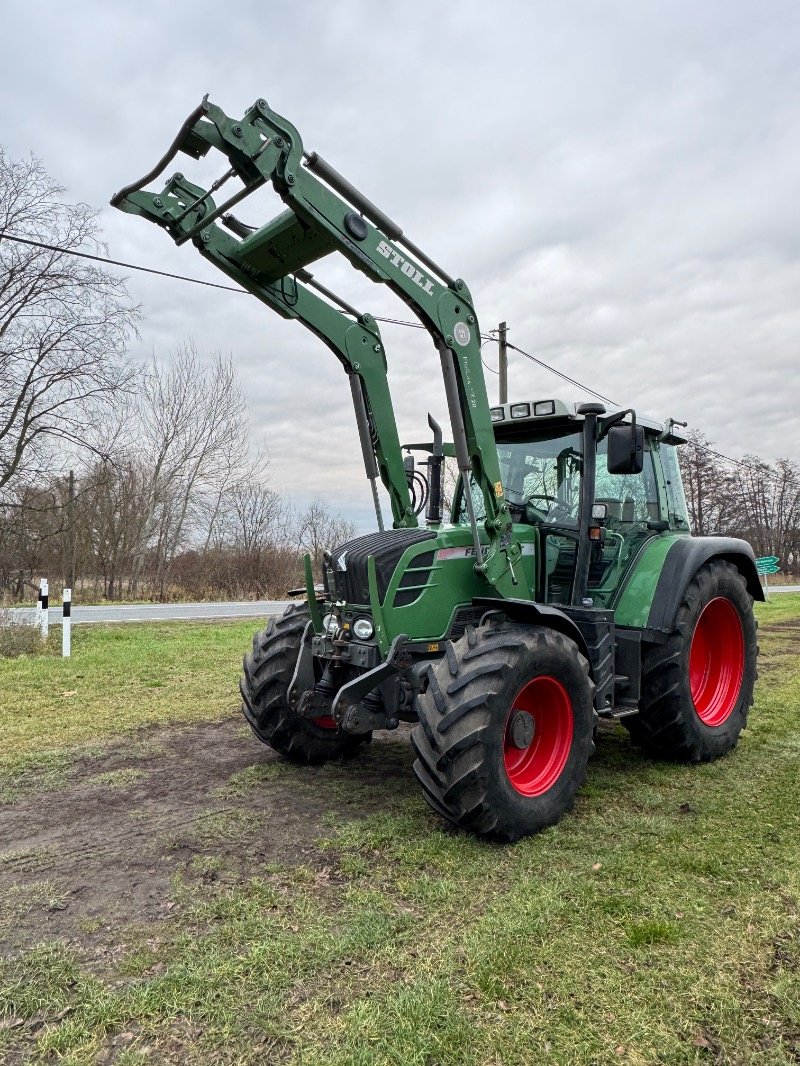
564 586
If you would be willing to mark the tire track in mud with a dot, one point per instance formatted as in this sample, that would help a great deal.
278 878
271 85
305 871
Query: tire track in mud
111 852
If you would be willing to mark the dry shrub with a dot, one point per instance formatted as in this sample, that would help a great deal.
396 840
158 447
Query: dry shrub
229 574
18 638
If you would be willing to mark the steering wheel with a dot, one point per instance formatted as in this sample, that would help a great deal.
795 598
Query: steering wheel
534 513
558 512
525 510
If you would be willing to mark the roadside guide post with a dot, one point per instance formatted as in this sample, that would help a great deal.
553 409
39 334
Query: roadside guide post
66 624
45 619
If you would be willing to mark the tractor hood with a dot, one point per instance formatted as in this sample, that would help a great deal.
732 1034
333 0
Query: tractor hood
424 579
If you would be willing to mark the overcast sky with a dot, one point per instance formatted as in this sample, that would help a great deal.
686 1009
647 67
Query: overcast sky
620 181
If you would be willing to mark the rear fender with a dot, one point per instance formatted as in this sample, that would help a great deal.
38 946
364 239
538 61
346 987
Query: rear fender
682 562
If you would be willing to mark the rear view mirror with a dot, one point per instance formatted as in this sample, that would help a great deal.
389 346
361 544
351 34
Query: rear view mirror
625 449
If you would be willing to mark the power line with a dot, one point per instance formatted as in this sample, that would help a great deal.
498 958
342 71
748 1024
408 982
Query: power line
564 377
115 262
398 322
378 318
579 384
606 399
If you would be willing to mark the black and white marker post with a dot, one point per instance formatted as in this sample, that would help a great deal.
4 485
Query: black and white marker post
66 624
45 595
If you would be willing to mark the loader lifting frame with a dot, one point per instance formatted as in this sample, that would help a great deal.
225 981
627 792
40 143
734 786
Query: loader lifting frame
325 214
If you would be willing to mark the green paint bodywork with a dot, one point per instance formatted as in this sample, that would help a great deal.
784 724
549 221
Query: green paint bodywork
633 607
453 583
381 634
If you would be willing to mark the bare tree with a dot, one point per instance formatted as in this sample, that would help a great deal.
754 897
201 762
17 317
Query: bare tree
754 500
193 435
254 516
707 486
766 508
110 519
63 322
318 529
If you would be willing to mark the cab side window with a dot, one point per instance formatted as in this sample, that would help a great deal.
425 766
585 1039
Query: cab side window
631 499
678 512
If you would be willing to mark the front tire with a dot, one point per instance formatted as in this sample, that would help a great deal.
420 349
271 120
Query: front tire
505 729
697 688
264 686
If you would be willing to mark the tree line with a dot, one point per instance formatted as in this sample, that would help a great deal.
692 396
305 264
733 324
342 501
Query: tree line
753 499
170 501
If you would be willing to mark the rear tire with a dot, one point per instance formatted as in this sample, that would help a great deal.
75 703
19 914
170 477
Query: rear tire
697 688
505 729
268 670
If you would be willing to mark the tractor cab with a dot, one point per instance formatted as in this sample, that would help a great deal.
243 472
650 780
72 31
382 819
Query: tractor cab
541 448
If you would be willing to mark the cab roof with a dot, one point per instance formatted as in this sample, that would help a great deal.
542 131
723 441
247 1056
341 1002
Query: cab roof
546 412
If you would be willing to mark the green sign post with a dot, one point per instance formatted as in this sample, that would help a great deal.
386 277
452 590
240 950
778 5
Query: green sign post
767 564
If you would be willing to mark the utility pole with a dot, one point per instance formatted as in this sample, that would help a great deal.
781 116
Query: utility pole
503 363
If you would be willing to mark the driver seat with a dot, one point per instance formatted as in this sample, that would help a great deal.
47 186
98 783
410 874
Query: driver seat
613 505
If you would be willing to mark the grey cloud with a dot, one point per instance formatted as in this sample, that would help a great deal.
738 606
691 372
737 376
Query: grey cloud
618 181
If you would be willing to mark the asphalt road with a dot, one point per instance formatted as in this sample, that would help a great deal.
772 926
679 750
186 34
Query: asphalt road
156 612
188 612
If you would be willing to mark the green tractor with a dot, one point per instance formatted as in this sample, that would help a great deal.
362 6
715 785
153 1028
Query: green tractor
563 587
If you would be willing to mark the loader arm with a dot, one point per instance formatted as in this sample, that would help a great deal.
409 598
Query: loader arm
327 214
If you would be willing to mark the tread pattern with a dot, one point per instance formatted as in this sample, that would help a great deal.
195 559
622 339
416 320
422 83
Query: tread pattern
458 742
267 672
667 724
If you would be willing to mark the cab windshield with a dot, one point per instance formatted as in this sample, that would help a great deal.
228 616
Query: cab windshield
541 479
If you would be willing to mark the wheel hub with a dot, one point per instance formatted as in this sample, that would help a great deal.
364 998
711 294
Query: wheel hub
538 736
521 729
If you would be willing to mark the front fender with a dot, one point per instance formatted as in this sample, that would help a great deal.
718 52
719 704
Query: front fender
531 613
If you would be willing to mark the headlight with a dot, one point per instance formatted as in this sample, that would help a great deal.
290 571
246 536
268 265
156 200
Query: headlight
330 623
363 628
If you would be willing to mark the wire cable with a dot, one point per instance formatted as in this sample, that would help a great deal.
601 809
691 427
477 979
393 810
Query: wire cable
398 322
115 262
4 235
564 377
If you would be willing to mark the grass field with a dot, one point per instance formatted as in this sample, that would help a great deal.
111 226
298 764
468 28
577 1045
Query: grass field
120 677
325 916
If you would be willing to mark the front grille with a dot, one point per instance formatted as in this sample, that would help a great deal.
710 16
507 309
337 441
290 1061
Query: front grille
413 581
347 569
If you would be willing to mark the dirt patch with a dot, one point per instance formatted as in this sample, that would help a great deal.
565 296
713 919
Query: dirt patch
100 853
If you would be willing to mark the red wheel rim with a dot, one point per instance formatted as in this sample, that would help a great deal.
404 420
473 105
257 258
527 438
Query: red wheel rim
325 722
536 768
716 661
